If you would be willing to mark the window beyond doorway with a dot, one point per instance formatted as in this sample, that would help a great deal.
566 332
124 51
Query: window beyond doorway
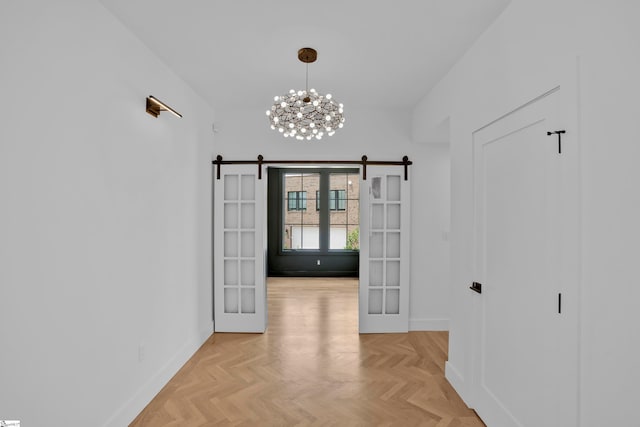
304 229
314 220
301 227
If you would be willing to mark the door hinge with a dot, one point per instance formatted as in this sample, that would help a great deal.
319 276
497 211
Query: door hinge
476 287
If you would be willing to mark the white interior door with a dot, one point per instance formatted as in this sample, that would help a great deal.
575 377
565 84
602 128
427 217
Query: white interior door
384 250
240 303
525 354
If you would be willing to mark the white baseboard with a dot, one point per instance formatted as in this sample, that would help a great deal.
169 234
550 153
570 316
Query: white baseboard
428 324
456 380
206 331
150 389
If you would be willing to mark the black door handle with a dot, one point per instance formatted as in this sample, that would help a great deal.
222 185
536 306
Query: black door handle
477 287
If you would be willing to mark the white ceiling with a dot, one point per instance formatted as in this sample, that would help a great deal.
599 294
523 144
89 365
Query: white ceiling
241 53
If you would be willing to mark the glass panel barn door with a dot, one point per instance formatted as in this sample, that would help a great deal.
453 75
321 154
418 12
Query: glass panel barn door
384 251
239 250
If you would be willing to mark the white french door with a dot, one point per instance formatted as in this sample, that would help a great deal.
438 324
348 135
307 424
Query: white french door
525 317
240 303
384 251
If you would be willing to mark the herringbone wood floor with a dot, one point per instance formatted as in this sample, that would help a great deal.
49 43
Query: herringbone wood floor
312 368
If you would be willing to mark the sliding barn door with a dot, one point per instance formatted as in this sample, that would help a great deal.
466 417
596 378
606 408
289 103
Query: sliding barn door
240 303
384 251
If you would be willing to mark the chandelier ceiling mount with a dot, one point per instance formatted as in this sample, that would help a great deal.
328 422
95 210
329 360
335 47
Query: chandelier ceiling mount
307 55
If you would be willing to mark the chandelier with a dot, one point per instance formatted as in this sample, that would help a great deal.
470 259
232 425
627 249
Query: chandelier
306 114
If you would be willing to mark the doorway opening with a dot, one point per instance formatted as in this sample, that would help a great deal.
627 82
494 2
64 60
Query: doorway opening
379 259
313 217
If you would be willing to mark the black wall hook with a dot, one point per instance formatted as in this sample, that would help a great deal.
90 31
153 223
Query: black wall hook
559 133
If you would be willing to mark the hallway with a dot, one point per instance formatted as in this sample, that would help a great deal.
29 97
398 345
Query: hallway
312 367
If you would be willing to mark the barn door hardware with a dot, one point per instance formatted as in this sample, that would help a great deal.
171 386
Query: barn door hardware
559 133
364 161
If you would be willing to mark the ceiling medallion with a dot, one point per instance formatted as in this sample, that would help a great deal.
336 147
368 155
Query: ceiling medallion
306 114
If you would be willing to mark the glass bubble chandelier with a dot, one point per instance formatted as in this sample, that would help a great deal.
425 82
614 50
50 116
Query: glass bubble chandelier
306 114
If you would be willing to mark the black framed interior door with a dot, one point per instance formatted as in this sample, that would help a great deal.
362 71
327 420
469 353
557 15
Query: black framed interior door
313 222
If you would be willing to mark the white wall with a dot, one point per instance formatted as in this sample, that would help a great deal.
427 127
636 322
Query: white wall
525 53
430 205
381 135
105 218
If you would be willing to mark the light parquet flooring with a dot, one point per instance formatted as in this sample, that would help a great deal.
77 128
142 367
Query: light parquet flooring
312 368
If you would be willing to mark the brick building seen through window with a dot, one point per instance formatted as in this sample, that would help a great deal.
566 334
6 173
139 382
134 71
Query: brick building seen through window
302 211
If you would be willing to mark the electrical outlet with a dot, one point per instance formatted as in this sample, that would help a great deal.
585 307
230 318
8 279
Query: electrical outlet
141 352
